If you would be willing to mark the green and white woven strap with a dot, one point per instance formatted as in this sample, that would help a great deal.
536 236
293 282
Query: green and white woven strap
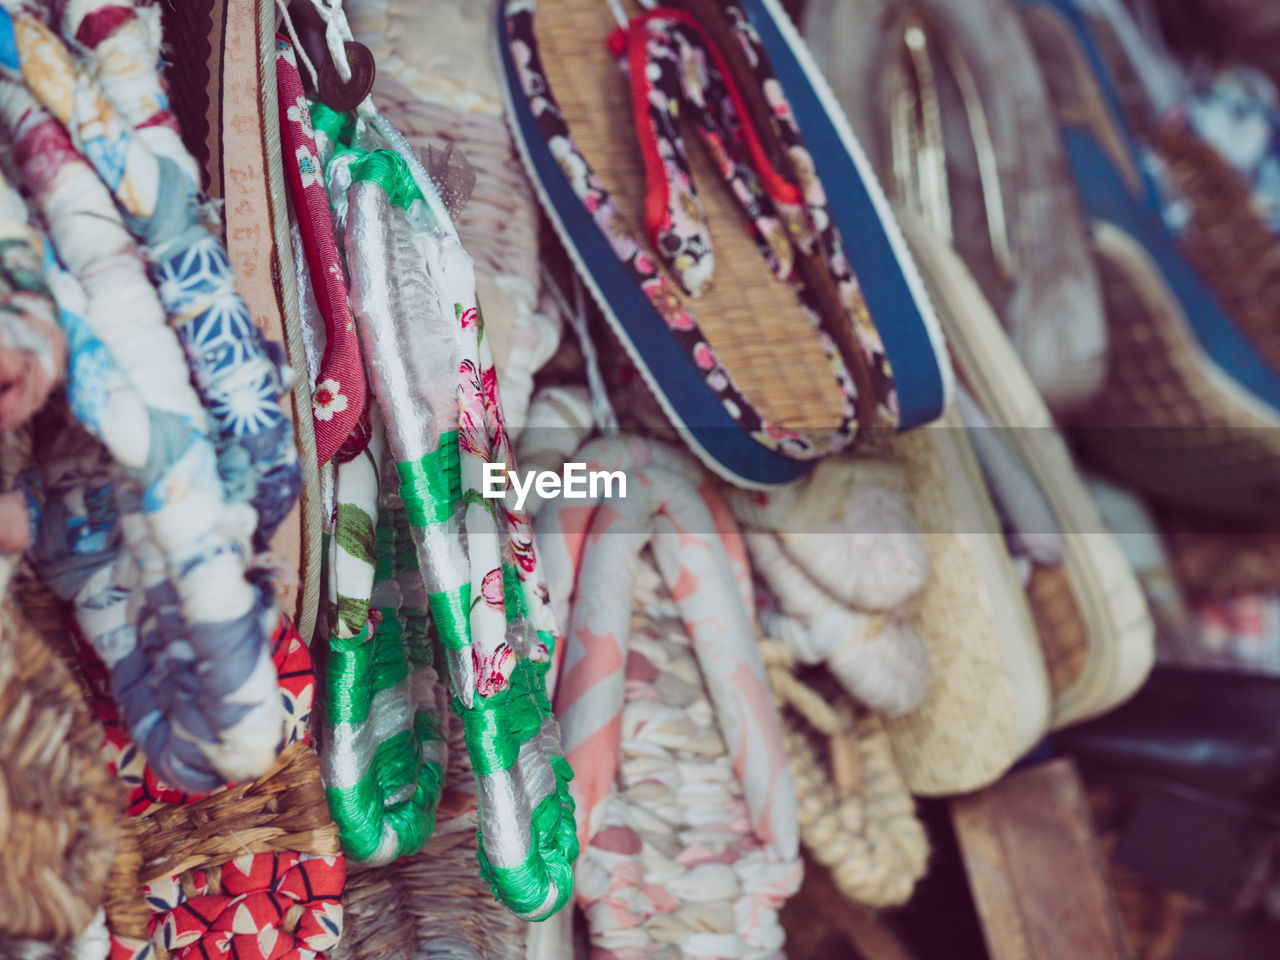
383 753
422 333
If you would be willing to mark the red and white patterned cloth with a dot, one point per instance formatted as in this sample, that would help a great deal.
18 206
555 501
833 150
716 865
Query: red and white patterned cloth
245 909
339 393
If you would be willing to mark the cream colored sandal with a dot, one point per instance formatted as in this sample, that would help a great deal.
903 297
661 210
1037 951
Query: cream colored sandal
1095 628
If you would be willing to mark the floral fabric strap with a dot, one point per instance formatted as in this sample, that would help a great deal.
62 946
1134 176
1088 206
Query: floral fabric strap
638 729
340 392
437 389
148 790
265 906
33 350
676 71
236 373
830 242
671 507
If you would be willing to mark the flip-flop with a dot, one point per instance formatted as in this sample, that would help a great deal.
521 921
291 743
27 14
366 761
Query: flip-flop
1190 409
743 376
949 99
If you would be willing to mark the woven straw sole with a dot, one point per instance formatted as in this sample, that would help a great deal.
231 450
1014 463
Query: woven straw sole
989 702
1192 435
750 319
1098 639
1202 440
59 823
393 910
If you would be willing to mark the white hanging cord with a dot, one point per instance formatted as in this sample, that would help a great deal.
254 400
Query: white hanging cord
336 33
618 13
283 7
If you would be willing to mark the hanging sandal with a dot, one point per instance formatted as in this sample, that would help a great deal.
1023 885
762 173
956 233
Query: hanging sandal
1190 409
134 500
220 71
723 843
949 99
1093 622
745 375
438 392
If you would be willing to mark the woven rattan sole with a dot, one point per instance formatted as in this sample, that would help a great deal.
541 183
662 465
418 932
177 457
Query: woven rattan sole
753 321
989 702
59 826
1170 423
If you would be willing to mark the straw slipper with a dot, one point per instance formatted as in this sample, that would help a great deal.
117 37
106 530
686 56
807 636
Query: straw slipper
989 701
1190 408
1094 626
949 100
977 697
222 81
759 376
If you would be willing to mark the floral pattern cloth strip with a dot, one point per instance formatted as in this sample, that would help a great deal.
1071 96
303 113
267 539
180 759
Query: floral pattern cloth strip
147 791
383 751
1237 112
830 242
339 396
437 390
236 373
666 301
246 910
265 906
677 72
145 512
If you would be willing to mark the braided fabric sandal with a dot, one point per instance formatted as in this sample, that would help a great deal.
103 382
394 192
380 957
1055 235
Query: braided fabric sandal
236 376
149 498
383 752
383 756
252 871
438 392
339 387
682 786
